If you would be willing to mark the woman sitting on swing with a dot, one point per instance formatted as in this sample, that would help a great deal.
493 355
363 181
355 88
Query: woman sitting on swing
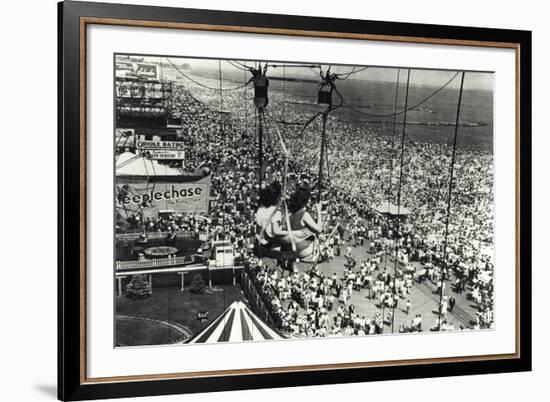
303 228
267 216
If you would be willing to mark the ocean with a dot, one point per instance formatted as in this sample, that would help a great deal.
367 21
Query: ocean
433 121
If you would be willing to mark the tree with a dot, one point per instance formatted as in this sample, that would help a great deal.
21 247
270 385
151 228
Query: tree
197 284
138 288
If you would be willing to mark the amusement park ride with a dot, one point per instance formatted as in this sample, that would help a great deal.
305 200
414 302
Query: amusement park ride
311 252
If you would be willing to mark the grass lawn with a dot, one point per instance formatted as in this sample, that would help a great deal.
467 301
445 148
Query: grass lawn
137 332
172 305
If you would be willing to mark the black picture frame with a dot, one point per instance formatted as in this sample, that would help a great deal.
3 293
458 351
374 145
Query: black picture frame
72 383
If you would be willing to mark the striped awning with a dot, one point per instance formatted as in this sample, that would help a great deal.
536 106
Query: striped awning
236 324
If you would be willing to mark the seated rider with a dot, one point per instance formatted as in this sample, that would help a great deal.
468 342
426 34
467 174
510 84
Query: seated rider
302 225
267 214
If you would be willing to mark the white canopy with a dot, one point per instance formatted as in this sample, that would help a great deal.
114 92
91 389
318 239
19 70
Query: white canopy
129 164
236 324
392 209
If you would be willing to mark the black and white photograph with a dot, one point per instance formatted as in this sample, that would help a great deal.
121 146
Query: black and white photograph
260 200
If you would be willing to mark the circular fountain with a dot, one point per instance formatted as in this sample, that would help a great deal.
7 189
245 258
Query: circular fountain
160 251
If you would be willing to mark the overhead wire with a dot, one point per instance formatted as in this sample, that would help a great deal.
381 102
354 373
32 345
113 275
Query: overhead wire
243 65
237 66
294 66
347 75
203 85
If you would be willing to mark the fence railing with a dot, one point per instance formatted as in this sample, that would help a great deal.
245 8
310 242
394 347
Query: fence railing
153 235
155 263
259 301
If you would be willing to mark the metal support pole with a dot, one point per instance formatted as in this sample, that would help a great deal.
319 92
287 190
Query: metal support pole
443 268
383 309
221 97
245 95
260 147
321 159
394 229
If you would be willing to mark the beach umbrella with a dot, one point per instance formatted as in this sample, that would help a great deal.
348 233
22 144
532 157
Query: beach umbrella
392 209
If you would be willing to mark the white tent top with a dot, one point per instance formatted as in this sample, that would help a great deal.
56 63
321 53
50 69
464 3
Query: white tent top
236 324
129 164
392 209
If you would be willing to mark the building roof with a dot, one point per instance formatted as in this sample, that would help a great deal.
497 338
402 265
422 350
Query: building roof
160 131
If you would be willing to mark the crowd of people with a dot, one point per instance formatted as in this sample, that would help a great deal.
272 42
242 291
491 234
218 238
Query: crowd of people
361 174
312 303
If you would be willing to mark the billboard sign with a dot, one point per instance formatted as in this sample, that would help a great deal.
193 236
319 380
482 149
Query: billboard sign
161 154
131 69
179 197
161 145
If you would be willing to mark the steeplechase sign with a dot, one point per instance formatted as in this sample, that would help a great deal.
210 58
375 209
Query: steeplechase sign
180 197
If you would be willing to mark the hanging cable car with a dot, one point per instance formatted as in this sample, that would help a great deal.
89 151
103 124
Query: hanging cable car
261 84
326 86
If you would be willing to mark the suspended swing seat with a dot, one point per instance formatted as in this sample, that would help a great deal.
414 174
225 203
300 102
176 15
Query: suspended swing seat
266 249
305 251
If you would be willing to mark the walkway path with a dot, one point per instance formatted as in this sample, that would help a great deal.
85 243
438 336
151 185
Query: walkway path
422 297
183 331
